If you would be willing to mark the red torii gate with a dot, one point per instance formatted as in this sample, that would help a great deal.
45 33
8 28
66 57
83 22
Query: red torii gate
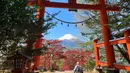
101 6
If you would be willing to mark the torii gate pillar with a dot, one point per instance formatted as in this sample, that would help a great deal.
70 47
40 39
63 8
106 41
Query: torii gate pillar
106 34
39 40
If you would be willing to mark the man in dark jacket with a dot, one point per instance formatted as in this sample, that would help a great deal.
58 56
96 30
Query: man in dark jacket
77 68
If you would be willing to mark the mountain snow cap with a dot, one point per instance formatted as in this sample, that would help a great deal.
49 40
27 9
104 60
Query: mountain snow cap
68 37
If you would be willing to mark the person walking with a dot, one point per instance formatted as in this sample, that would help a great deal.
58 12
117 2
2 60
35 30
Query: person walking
78 68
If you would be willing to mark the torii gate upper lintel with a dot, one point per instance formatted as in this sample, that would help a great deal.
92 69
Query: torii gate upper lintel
101 6
72 4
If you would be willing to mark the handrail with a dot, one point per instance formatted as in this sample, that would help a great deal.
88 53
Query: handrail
113 42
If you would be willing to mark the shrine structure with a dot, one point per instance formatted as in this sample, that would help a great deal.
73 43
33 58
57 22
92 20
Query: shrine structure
103 8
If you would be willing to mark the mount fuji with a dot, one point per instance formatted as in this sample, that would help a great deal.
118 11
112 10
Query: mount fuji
70 41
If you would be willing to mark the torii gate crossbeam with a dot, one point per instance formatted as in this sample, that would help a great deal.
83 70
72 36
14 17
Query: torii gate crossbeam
79 6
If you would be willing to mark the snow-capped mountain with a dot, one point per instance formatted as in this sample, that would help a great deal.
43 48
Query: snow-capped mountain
70 41
68 37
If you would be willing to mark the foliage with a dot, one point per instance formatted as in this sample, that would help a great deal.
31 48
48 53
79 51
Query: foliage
73 56
18 24
118 21
57 57
90 64
53 55
88 45
60 63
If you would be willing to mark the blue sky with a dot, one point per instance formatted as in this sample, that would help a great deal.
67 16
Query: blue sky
60 30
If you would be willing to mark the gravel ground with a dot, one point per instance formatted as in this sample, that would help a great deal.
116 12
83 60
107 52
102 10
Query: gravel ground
6 71
69 72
